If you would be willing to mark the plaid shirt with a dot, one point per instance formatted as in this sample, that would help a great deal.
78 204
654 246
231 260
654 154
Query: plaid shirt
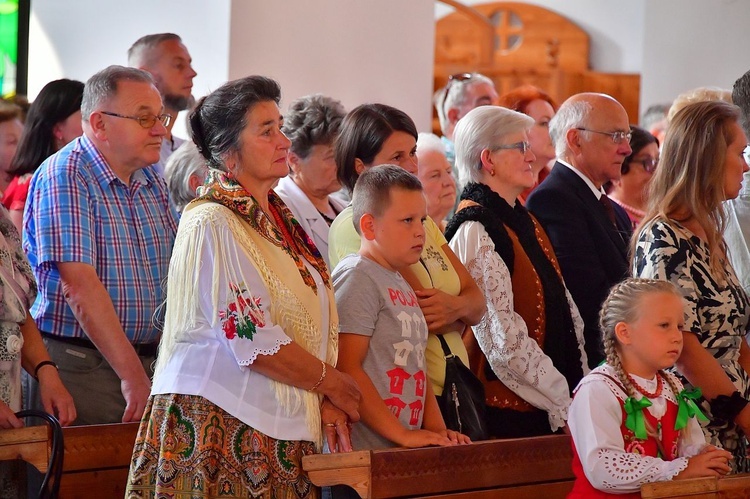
79 211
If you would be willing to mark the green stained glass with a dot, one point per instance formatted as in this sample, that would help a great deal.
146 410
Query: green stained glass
8 45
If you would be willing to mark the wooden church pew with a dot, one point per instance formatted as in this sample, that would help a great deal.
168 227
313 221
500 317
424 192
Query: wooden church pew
28 444
514 468
97 458
736 486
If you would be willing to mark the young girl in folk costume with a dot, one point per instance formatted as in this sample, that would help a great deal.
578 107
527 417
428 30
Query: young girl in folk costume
633 423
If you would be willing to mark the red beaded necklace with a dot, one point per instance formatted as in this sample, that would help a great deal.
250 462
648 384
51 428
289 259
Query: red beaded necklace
646 393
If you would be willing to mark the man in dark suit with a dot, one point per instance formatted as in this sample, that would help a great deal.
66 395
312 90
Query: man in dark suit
589 233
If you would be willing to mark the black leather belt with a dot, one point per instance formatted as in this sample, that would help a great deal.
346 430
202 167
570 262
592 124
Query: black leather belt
142 349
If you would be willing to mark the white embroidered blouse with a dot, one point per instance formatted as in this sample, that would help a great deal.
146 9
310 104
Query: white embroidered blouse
516 359
211 358
595 422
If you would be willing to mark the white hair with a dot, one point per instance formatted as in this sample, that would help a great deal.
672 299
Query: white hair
429 142
185 162
572 114
483 128
456 96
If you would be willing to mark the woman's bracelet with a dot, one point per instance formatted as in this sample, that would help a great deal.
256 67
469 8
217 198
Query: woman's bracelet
727 407
41 365
322 377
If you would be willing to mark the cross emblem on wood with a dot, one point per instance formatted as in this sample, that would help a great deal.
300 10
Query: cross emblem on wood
508 28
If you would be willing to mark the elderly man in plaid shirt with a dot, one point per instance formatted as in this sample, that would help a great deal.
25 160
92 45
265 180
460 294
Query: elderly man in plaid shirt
98 231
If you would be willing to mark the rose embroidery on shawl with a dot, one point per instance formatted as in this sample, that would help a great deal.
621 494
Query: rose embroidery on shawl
243 314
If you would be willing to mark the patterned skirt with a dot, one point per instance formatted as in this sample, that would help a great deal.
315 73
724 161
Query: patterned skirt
187 447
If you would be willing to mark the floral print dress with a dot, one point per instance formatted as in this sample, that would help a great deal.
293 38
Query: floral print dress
717 313
17 292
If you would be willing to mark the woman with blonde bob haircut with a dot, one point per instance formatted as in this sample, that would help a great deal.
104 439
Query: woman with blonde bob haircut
528 348
700 94
680 240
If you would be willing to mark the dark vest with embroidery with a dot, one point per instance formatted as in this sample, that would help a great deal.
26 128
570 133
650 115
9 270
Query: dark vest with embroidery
538 290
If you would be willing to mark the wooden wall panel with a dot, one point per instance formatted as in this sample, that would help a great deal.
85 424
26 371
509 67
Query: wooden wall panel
552 54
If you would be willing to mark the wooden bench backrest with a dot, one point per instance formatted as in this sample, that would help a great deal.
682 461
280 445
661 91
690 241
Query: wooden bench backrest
97 458
28 444
736 486
532 467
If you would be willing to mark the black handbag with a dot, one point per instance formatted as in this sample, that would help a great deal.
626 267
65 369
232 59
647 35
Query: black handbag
51 483
462 401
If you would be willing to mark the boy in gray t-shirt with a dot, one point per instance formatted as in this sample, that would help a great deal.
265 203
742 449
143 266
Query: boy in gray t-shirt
383 332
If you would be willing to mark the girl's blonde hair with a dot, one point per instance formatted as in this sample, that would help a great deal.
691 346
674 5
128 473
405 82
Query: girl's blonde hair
623 304
689 181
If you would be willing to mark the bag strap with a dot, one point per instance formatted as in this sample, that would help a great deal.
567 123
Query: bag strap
446 349
51 483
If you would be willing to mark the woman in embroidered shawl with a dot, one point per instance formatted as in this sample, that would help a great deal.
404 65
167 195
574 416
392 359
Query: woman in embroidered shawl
528 348
244 384
681 240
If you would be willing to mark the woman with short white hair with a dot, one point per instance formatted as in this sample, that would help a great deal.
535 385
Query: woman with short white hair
185 171
532 334
436 175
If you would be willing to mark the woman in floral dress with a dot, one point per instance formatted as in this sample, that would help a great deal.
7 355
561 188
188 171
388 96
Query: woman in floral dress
680 240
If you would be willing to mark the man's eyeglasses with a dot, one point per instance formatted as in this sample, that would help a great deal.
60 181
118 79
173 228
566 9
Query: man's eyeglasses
521 146
617 137
147 120
648 164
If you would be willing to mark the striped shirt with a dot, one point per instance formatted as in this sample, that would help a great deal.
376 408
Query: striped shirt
78 210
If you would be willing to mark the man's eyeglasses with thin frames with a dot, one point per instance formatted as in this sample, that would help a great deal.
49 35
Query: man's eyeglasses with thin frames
617 137
146 121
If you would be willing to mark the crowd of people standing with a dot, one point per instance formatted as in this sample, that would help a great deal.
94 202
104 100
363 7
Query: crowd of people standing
280 285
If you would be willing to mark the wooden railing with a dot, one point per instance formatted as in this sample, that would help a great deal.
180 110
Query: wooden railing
97 458
731 487
516 468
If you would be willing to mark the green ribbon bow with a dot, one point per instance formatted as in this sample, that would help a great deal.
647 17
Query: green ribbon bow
688 408
635 420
